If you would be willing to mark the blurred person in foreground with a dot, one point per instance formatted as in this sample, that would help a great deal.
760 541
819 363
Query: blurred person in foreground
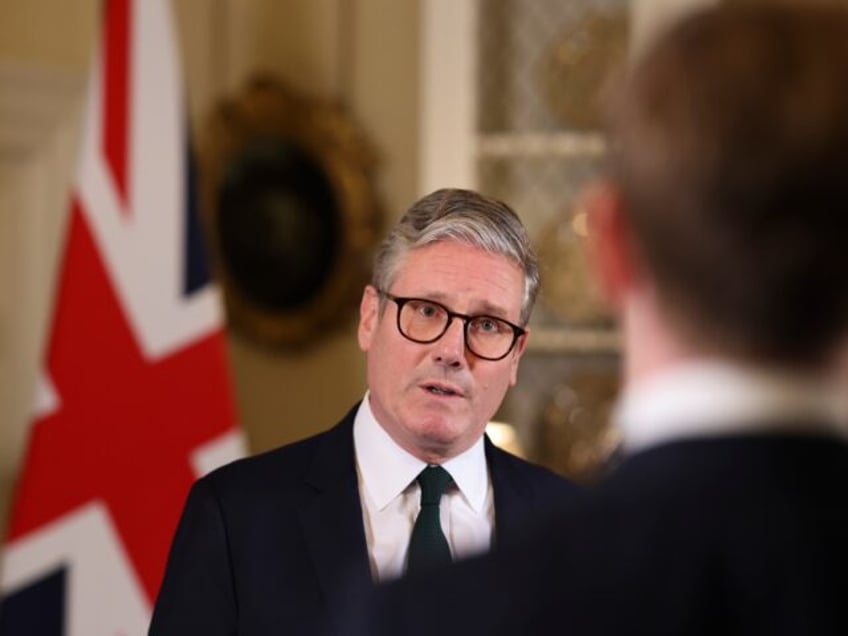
271 544
720 239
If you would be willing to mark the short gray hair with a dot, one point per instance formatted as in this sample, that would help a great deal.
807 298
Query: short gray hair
463 216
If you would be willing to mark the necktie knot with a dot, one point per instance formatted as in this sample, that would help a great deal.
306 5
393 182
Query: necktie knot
433 481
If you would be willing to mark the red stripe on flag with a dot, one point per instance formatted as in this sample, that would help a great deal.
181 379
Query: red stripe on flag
116 93
126 427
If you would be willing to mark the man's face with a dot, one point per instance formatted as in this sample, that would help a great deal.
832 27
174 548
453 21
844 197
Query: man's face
435 399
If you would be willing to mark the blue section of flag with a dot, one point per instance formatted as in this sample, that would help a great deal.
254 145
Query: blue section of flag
37 609
196 274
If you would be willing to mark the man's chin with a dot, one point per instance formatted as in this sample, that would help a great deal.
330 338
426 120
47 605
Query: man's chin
445 440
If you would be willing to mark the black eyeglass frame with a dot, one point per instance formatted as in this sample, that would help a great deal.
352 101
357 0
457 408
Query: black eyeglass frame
400 301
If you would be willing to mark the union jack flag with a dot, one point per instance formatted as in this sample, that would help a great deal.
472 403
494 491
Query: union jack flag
134 401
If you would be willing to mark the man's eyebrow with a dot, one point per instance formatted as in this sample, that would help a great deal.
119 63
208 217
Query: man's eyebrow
492 310
485 308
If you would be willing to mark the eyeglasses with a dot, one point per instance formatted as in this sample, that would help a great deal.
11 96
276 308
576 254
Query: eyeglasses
425 321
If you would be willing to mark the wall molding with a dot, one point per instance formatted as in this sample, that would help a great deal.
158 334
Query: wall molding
40 116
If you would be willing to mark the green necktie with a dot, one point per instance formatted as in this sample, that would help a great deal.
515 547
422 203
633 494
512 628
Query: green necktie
428 547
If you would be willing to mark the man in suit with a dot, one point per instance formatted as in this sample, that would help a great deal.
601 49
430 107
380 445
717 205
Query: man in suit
720 239
272 543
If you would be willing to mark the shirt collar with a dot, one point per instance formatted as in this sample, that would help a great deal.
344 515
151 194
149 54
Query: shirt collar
386 469
716 397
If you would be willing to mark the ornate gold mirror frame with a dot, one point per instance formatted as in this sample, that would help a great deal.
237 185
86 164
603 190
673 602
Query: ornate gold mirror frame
288 194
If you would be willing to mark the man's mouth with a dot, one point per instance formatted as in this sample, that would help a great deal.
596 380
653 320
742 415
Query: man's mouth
440 390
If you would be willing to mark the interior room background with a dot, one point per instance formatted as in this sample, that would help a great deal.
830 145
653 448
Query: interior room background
490 94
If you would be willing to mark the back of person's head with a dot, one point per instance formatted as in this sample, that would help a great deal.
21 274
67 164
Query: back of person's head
729 143
464 216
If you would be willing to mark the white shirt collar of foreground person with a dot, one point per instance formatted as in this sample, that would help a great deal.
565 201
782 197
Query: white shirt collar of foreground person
390 497
712 397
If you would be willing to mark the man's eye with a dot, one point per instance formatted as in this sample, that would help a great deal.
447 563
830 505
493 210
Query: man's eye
428 310
487 325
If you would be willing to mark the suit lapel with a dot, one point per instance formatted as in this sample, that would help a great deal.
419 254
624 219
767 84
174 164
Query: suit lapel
332 519
512 497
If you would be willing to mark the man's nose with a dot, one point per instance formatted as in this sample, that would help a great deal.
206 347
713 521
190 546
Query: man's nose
450 348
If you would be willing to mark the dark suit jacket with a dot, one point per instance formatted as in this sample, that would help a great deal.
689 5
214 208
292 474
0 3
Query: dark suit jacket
269 544
734 535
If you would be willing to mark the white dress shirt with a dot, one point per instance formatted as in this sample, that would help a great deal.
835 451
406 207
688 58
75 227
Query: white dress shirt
391 497
709 398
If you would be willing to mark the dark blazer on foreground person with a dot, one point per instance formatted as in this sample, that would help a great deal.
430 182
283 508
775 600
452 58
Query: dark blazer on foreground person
744 534
270 544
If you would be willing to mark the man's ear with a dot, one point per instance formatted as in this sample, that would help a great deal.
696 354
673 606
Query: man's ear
611 257
520 348
369 309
